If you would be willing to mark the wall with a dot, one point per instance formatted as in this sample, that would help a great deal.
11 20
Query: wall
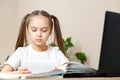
83 20
8 27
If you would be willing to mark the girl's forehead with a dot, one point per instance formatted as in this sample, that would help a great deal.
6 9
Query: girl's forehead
39 17
39 21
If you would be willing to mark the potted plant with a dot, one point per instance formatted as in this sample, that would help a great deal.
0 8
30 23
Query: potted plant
67 45
81 57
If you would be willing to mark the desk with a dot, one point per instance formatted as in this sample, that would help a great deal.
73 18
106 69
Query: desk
16 77
115 78
109 78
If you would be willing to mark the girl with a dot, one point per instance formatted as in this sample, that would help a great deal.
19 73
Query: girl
39 25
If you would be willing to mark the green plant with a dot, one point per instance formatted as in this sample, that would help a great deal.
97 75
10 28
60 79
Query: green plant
0 66
52 44
67 45
81 56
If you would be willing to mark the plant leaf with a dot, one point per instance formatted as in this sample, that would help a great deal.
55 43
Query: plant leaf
81 56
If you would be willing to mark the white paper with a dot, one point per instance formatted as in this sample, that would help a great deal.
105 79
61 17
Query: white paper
40 66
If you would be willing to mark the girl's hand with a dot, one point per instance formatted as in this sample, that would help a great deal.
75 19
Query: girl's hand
9 69
23 70
59 66
56 67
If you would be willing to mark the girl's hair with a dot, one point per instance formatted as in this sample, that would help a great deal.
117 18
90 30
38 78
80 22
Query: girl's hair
53 21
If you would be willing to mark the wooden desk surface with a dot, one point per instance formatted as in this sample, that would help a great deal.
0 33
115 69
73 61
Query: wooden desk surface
108 78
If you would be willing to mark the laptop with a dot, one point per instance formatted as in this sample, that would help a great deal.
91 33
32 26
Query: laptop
109 63
110 49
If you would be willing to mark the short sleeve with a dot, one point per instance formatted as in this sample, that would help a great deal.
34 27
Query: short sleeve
15 59
62 58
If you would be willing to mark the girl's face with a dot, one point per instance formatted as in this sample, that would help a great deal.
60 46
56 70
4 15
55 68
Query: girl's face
39 30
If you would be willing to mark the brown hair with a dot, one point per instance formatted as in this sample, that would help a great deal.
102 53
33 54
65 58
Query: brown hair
53 21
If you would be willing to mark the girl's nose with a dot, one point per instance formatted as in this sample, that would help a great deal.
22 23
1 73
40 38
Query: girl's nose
39 33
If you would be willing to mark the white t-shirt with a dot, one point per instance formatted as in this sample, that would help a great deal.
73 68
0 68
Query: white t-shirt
28 53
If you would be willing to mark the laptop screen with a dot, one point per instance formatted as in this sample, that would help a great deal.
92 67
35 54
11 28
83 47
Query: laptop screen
110 48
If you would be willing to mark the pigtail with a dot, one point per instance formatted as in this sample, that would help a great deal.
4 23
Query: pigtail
22 39
58 33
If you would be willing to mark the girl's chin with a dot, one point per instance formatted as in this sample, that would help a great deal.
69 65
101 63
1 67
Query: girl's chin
39 44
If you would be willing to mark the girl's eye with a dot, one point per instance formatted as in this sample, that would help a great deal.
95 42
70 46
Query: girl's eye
34 30
44 30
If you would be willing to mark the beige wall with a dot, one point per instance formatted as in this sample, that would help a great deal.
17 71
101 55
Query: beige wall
8 27
81 19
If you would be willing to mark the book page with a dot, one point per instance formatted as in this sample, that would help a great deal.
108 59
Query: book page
53 73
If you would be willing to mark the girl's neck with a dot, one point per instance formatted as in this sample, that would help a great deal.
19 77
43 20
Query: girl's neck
39 48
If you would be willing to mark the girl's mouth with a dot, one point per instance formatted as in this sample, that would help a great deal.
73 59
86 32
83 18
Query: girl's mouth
39 40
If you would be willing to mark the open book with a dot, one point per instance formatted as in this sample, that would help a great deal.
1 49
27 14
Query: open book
75 67
53 73
71 67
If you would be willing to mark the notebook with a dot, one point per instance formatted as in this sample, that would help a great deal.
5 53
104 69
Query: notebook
40 66
109 63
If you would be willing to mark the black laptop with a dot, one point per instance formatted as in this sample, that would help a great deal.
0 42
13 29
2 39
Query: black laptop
109 65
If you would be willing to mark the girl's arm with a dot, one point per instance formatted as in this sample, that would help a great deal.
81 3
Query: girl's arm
9 69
